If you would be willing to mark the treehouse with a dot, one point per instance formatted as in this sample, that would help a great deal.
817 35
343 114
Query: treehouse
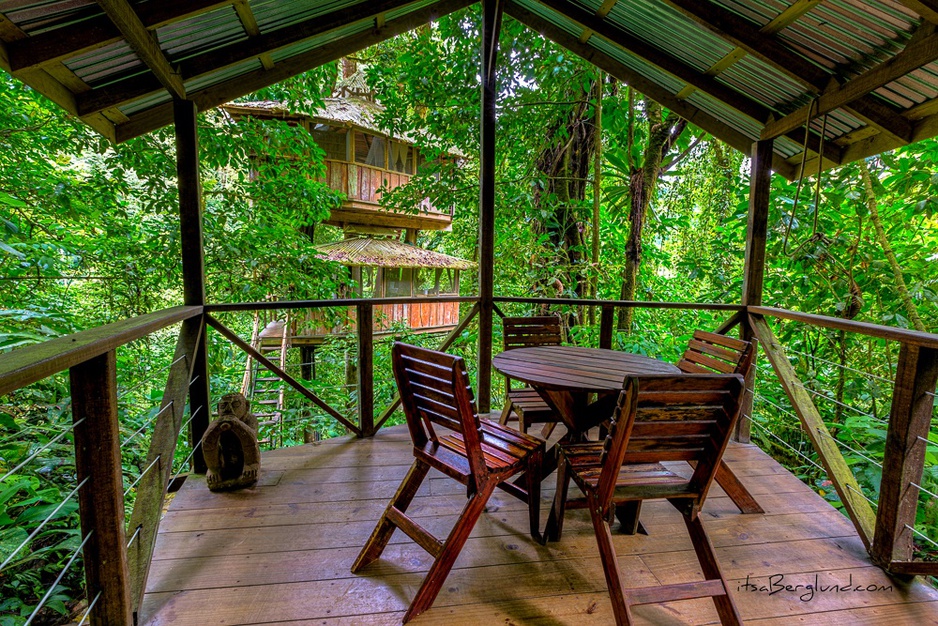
759 76
361 161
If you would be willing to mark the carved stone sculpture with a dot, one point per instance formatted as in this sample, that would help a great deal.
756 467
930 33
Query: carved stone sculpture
230 446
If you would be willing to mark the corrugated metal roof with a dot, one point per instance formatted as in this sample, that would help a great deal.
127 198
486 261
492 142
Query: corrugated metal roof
388 253
790 51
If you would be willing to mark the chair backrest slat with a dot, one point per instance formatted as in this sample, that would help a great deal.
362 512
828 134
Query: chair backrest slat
710 352
673 418
528 332
435 389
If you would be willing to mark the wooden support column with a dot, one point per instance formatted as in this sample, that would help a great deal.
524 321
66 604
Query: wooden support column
904 456
366 370
193 265
491 25
101 499
760 183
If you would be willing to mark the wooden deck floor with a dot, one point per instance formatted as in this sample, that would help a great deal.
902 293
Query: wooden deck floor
280 553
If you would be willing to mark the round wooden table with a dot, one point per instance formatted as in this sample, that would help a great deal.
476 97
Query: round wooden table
565 376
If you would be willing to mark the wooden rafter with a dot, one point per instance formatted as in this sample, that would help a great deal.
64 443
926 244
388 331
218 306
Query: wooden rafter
88 35
783 19
144 44
249 22
595 25
219 94
744 34
914 56
608 64
601 12
136 87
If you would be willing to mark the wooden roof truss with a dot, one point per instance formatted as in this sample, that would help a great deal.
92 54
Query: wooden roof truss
740 69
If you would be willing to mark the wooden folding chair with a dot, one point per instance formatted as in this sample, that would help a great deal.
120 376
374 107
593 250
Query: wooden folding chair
709 353
670 418
526 403
480 454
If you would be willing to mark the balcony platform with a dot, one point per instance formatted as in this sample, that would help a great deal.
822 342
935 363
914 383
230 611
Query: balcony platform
281 552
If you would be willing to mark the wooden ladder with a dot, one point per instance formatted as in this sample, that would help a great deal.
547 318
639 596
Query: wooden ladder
268 392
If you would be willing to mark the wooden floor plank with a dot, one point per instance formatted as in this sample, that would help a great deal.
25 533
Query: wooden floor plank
282 551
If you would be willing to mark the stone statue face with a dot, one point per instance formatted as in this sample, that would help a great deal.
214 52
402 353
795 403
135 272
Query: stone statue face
233 404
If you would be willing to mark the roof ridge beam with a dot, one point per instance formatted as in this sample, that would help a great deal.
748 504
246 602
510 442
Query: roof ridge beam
213 96
918 53
745 34
144 43
136 87
88 35
700 81
695 116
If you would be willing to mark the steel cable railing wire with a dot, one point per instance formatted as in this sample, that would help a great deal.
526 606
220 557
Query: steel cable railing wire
58 579
828 398
41 450
147 423
845 367
42 524
84 618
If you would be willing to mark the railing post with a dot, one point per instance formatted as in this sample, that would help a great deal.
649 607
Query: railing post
366 370
605 326
101 500
904 456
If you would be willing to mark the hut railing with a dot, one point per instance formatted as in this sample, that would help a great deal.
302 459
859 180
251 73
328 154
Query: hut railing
117 556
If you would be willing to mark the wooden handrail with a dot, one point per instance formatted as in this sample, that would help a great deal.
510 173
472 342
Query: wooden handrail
698 306
33 363
903 335
323 304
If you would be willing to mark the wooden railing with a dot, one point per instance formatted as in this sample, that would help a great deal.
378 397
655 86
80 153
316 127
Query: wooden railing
116 574
364 183
115 566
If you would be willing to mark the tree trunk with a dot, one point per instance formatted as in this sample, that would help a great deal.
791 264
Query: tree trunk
661 136
565 164
899 281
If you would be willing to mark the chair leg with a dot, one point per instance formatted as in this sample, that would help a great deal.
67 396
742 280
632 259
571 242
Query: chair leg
555 519
711 570
607 554
441 567
385 528
506 413
532 473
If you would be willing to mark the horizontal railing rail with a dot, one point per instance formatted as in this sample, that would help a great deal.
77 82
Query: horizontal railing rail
30 364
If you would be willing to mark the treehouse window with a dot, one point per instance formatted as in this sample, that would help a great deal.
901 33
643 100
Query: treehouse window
402 158
398 281
331 140
369 149
433 282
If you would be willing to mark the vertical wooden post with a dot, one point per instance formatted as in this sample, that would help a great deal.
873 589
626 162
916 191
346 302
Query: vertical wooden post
760 183
491 25
366 370
101 500
605 326
904 456
193 265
